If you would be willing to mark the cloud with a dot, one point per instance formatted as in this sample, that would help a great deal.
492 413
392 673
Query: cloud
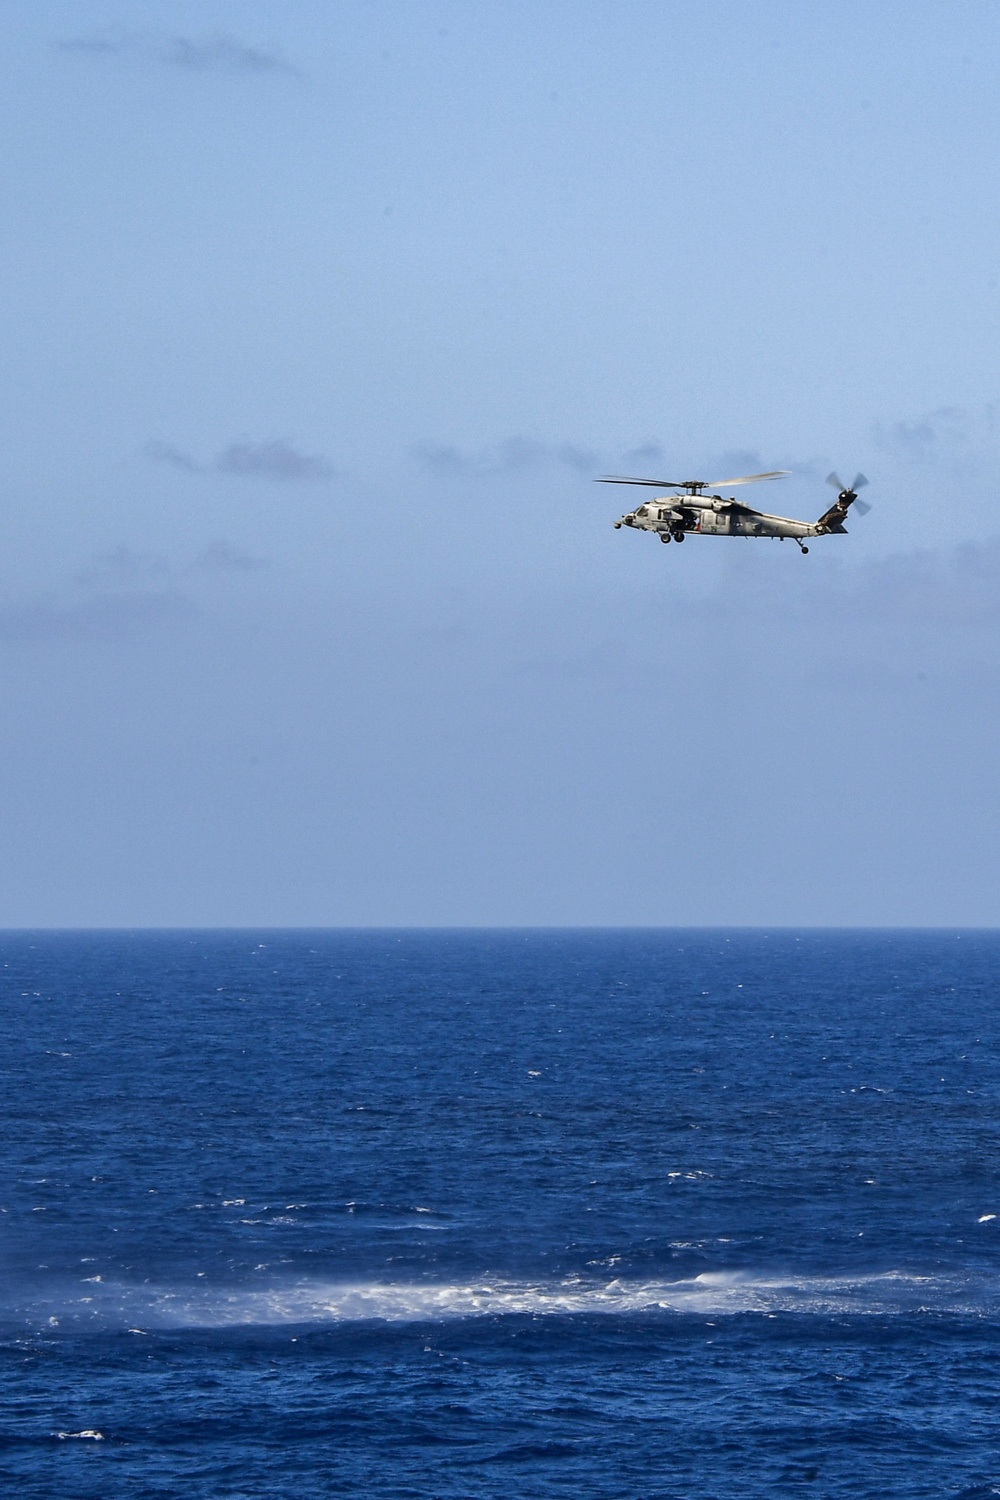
98 44
124 569
512 456
730 462
166 453
945 433
742 461
225 53
274 460
922 592
246 460
645 453
957 586
220 557
218 53
121 593
104 616
516 455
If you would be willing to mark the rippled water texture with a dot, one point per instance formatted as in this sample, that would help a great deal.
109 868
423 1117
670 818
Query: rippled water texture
650 1214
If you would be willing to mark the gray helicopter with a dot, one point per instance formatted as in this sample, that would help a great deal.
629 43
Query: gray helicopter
696 508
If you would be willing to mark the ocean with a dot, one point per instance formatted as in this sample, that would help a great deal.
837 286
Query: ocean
658 1214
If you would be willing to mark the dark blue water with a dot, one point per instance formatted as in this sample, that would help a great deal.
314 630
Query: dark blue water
621 1214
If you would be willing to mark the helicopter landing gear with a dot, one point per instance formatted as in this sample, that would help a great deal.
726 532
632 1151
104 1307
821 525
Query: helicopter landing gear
678 536
802 547
664 536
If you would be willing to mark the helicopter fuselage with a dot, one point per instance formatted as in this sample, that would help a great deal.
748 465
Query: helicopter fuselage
712 515
694 507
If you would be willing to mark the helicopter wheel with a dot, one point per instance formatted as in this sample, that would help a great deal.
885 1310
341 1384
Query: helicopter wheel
678 536
664 536
804 551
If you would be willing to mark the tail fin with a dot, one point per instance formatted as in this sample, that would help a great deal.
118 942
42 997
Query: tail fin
834 518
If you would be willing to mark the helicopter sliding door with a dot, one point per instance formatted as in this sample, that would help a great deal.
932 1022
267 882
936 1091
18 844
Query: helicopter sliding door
714 522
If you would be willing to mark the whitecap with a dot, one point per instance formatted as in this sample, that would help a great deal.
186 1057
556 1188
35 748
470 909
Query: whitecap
200 1304
708 1294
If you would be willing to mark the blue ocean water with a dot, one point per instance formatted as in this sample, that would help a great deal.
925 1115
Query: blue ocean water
472 1214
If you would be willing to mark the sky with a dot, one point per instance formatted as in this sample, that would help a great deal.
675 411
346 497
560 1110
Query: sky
318 321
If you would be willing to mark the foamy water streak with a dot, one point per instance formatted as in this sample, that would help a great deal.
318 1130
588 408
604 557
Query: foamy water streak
711 1294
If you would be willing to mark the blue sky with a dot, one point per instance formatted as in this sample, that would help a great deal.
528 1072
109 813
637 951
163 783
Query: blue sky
318 322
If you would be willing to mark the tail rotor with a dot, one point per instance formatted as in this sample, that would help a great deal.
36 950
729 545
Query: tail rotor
847 494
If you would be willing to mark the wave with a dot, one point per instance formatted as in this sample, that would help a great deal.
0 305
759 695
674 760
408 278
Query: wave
712 1294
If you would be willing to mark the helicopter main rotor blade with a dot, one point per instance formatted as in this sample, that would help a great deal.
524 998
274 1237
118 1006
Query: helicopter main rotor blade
659 484
749 478
694 484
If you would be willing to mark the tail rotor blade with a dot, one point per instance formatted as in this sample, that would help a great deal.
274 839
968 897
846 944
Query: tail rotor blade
862 507
858 483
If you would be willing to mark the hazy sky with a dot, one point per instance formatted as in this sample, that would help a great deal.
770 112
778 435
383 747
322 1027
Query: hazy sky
318 321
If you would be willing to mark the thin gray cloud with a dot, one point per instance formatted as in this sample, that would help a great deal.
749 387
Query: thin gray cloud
216 53
514 455
224 53
273 460
102 616
645 453
244 459
124 569
741 461
947 431
917 591
517 455
221 557
731 462
167 453
959 586
120 593
97 44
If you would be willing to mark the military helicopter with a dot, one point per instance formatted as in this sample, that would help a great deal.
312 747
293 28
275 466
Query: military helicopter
696 508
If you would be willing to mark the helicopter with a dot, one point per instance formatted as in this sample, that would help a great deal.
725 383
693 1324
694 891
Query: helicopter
696 508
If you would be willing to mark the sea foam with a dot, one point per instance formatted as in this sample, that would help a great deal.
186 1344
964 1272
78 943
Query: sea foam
712 1294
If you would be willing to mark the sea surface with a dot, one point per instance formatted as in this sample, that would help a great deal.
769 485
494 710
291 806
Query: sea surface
587 1214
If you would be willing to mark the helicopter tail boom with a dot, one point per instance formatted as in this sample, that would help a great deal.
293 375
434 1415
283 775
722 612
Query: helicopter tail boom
832 522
